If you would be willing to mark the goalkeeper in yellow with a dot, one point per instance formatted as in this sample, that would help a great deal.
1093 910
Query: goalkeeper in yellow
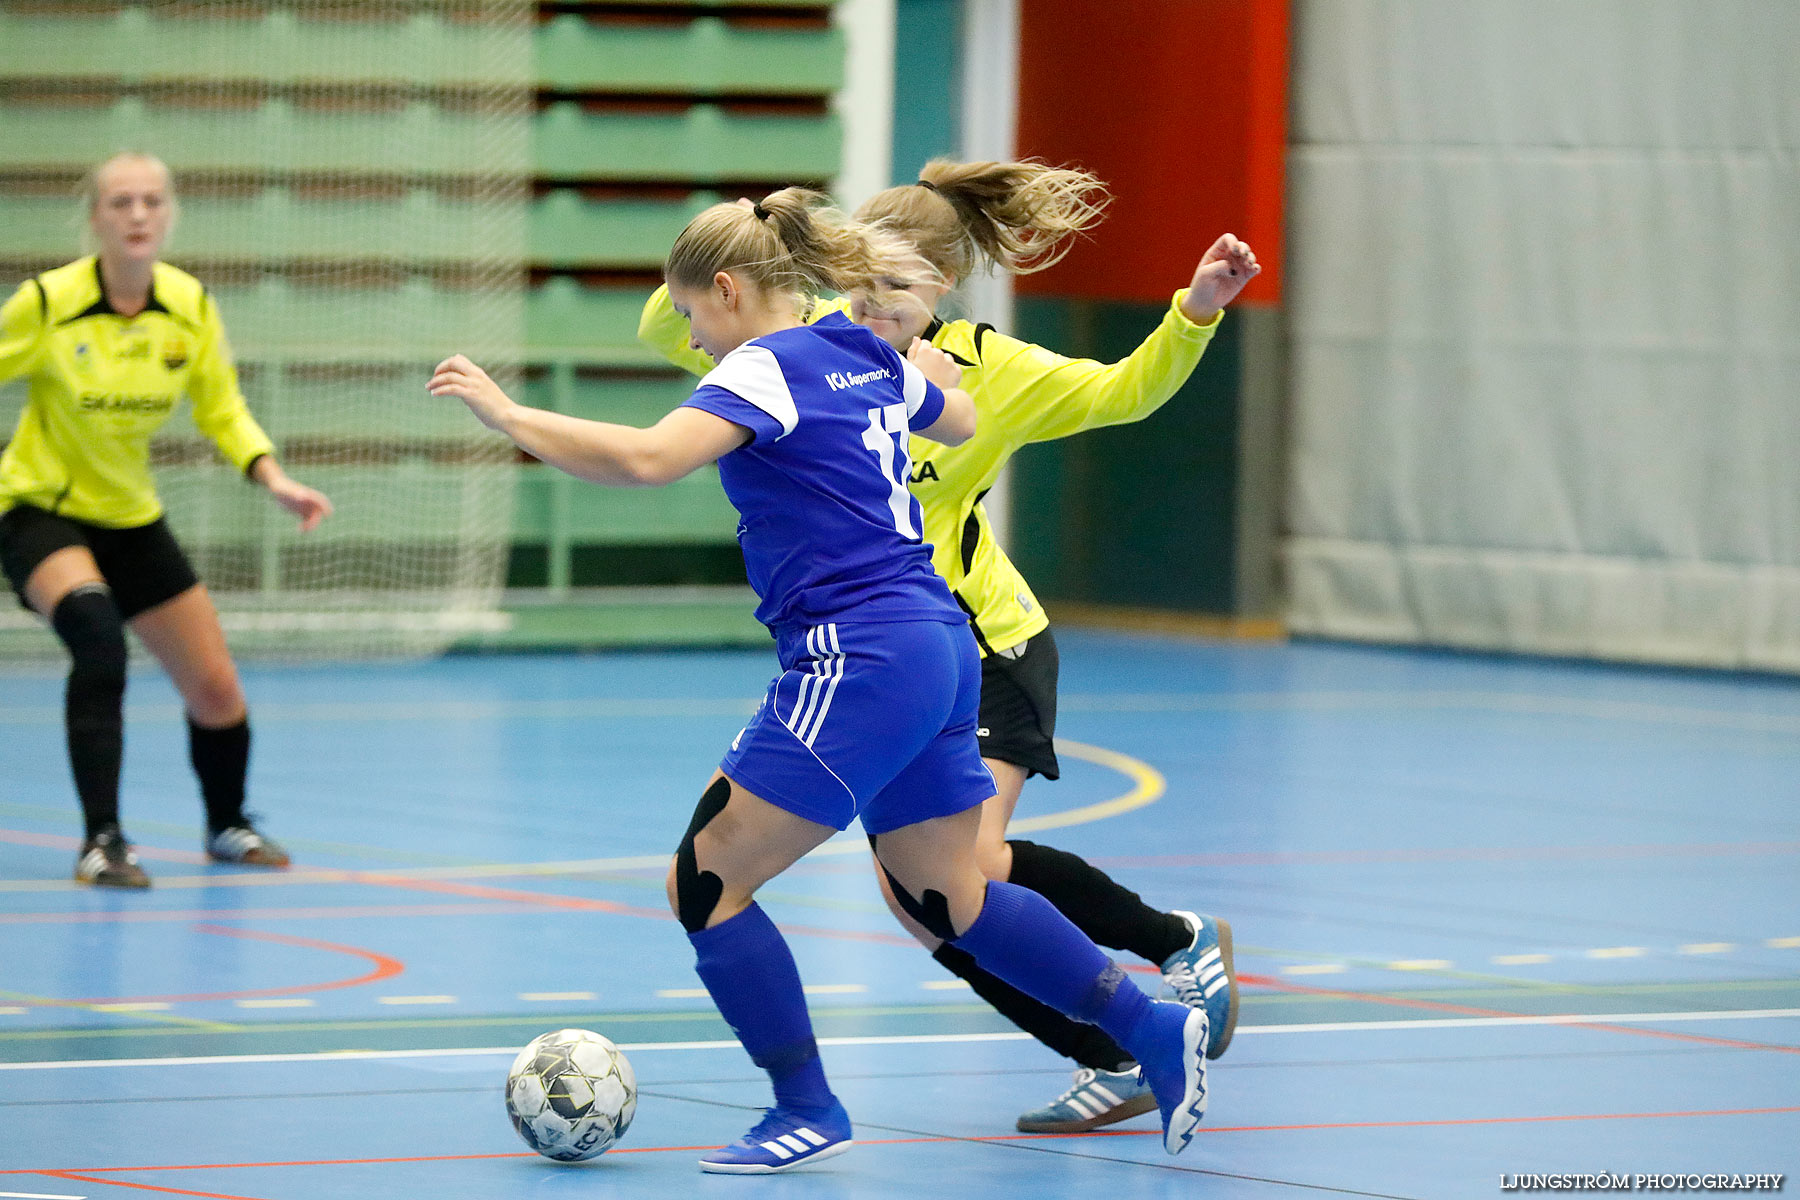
1019 217
109 344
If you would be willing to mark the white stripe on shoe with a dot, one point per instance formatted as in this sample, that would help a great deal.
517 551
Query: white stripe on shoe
778 1150
810 1136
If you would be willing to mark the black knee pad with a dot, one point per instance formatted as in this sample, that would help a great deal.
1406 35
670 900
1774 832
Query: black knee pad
88 623
697 892
931 911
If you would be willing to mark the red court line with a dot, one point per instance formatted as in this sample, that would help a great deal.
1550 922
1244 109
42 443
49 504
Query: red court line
1465 1010
483 892
273 914
1644 1116
146 1187
385 968
924 1140
580 903
1452 854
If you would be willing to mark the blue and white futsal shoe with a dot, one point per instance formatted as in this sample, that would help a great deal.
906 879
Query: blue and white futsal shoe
1179 1081
1097 1098
784 1139
1202 976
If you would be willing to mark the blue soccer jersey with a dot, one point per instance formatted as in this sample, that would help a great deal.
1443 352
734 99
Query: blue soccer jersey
828 528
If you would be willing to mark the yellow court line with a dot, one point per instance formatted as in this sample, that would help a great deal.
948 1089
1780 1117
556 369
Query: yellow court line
1147 787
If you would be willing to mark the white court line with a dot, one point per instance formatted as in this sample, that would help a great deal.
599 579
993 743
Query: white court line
41 1196
1729 1014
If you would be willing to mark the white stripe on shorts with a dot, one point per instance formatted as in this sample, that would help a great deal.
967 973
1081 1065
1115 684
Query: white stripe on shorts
834 667
817 688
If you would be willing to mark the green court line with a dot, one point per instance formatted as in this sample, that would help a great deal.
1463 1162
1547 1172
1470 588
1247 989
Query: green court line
50 1045
1547 992
162 1018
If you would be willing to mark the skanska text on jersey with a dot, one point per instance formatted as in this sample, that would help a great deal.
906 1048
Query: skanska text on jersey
109 402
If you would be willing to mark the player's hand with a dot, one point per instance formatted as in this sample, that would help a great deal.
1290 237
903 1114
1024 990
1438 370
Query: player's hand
457 376
1221 275
309 504
934 364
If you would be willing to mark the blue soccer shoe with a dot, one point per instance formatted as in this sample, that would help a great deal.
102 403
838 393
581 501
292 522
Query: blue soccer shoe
1202 976
784 1139
1176 1072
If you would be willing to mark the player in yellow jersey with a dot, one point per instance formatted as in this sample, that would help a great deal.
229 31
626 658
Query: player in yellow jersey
1020 217
109 344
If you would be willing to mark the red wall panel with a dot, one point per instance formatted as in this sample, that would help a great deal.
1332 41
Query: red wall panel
1181 106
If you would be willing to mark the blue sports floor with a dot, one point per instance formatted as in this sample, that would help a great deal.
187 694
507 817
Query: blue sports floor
1493 918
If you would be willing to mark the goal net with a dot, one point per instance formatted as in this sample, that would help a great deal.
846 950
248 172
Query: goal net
354 187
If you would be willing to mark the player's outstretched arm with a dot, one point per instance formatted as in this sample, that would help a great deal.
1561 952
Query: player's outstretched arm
956 424
1223 271
620 455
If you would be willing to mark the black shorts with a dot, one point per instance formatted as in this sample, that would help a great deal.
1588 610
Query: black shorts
143 566
1018 706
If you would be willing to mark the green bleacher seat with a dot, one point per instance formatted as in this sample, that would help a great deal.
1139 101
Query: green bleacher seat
707 56
136 45
690 511
703 143
562 228
569 230
275 135
704 56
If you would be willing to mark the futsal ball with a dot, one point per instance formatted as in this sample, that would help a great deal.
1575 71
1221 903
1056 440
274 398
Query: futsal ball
571 1094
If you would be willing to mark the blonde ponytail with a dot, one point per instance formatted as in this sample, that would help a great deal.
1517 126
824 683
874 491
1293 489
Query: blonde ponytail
794 243
1016 217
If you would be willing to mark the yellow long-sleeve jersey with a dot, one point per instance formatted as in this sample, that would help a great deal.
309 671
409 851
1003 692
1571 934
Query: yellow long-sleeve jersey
101 384
1023 394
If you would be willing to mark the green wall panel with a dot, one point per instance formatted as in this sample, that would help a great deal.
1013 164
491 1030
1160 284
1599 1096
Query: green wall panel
1138 515
927 84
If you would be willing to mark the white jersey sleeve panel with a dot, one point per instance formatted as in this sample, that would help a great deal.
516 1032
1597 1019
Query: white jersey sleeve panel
752 372
912 384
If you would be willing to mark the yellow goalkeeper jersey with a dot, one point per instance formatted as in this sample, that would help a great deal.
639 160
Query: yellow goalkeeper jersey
1023 393
101 384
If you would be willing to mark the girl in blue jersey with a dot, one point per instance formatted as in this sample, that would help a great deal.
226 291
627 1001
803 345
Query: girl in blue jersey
874 713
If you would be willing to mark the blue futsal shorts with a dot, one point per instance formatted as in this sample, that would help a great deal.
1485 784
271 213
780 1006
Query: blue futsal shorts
871 719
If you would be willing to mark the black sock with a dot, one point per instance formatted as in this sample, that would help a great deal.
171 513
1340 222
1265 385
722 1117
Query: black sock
1086 1044
221 758
1107 911
88 623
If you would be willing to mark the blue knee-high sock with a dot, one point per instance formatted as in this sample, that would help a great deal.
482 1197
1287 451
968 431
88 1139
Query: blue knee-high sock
1021 938
749 971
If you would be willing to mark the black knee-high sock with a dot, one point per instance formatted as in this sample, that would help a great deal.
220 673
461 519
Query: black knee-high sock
1086 1044
88 623
1107 911
221 758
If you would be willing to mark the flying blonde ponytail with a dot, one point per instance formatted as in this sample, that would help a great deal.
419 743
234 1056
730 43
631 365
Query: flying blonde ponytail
1016 217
